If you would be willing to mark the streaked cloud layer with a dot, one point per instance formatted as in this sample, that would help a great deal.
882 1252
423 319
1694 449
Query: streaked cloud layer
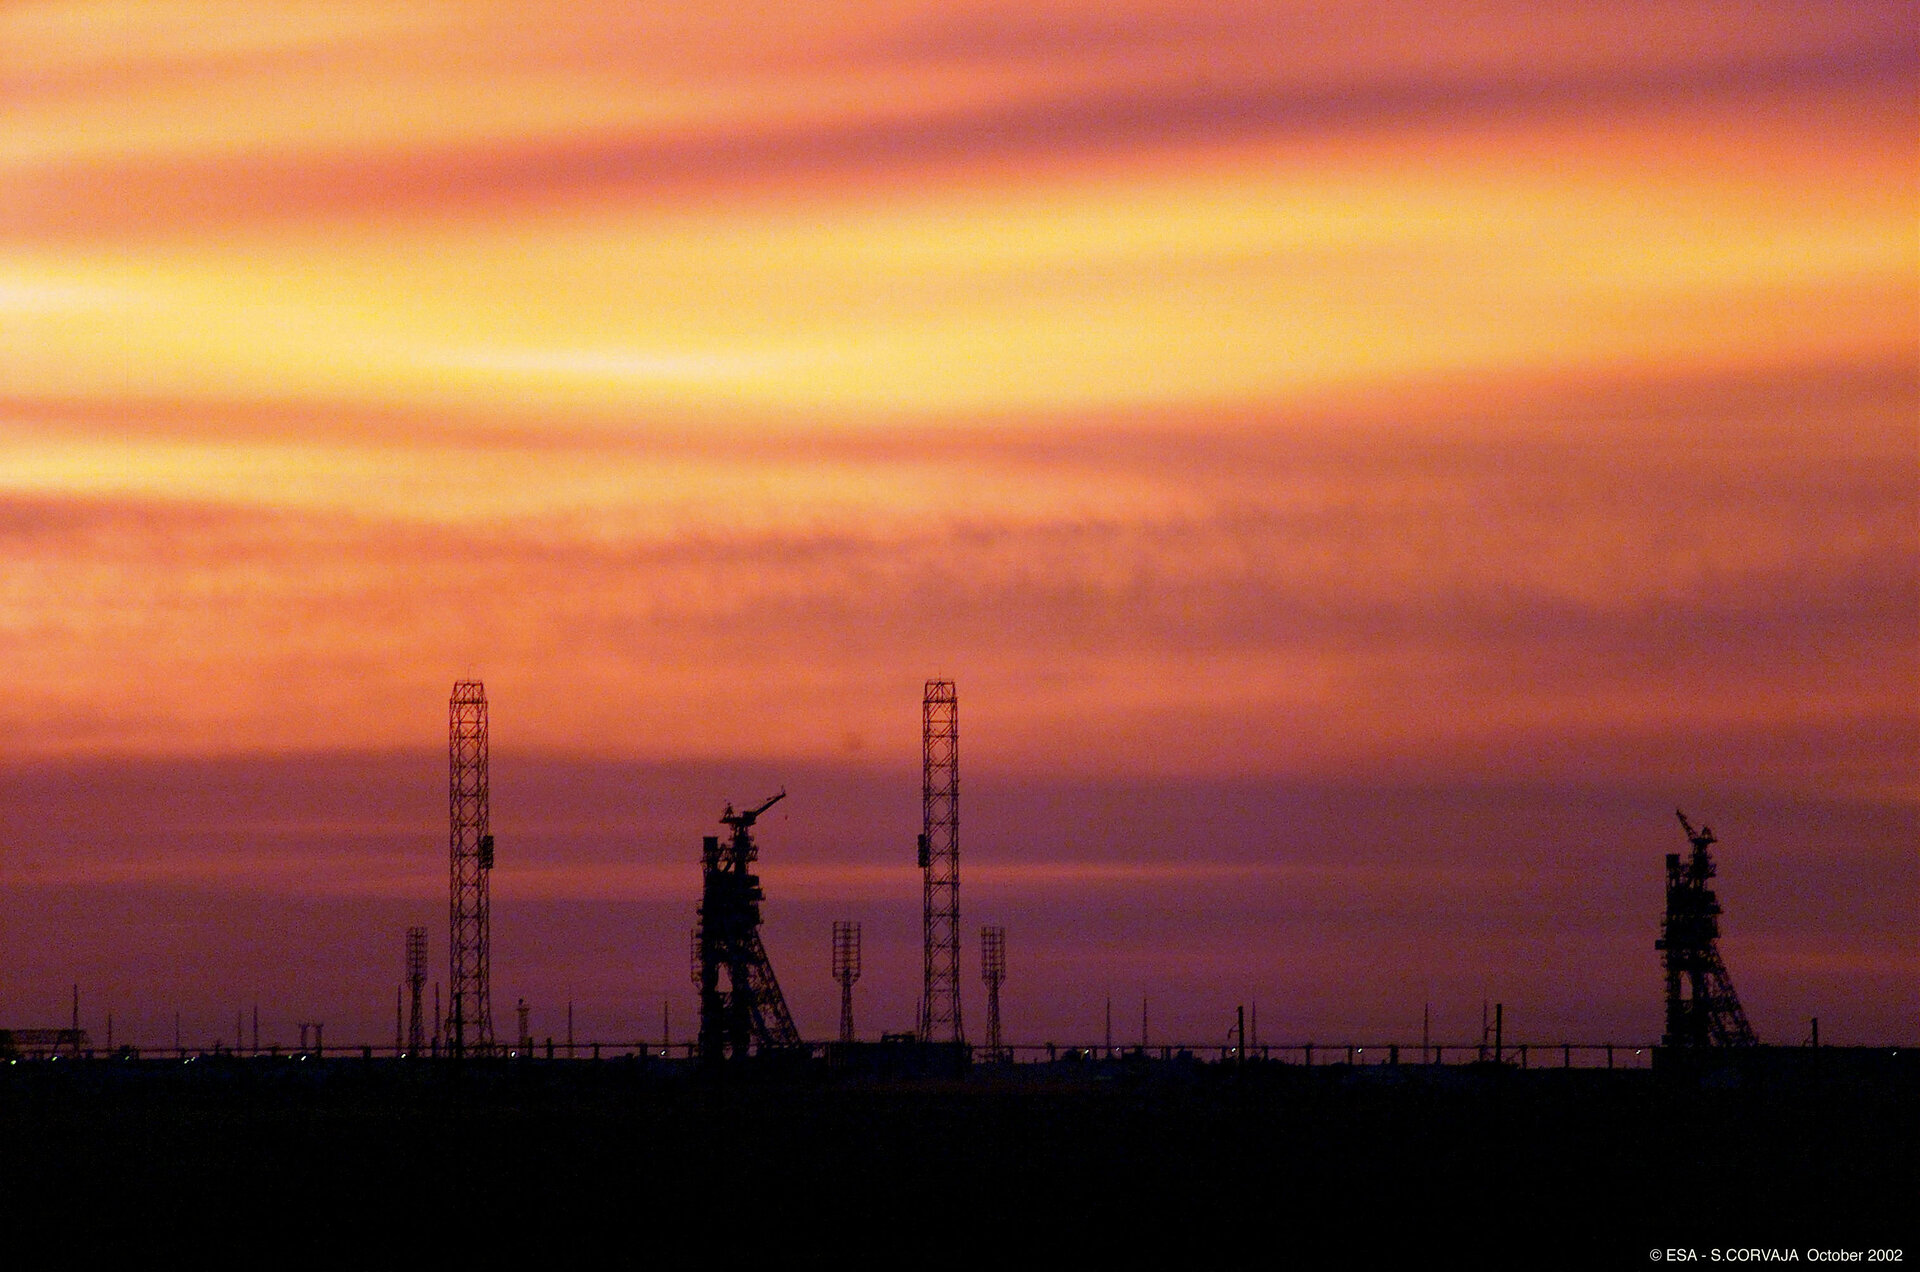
1510 394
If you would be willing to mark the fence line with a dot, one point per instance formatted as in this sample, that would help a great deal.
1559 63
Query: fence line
1559 1055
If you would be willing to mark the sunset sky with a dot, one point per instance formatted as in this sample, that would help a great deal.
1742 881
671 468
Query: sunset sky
1363 467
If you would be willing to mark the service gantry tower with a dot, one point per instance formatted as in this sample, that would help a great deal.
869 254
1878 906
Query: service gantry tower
993 970
846 970
1702 1009
750 1012
470 864
940 863
416 984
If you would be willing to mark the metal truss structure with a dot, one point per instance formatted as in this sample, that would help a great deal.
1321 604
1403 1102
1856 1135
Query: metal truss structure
416 986
993 970
750 1013
940 863
846 970
1702 1009
469 1025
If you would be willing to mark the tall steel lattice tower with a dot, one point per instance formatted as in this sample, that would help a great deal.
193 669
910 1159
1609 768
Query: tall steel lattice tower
993 970
416 984
1702 1009
470 866
751 1011
940 862
846 970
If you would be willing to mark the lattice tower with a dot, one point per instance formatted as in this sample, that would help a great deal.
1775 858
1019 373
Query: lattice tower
846 970
993 970
940 863
470 865
416 986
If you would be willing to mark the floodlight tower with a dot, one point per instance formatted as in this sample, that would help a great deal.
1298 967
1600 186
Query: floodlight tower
416 983
470 858
1702 1009
846 970
993 970
940 862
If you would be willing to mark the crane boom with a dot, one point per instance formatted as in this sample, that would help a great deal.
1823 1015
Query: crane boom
740 821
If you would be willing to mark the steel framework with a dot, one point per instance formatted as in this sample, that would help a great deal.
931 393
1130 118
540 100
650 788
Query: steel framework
940 863
750 1012
470 867
1702 1009
993 970
846 970
416 985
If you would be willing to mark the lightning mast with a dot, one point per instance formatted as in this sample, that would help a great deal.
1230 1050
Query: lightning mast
470 867
940 862
1702 1009
846 970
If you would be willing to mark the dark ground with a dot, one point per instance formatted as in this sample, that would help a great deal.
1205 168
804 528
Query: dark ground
355 1163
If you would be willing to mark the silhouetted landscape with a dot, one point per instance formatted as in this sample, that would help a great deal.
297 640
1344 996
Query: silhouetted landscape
1043 1162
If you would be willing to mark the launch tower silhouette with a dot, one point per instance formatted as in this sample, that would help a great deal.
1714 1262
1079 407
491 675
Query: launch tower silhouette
1702 1009
750 1013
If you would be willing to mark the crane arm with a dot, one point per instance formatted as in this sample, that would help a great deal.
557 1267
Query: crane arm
1702 836
742 820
